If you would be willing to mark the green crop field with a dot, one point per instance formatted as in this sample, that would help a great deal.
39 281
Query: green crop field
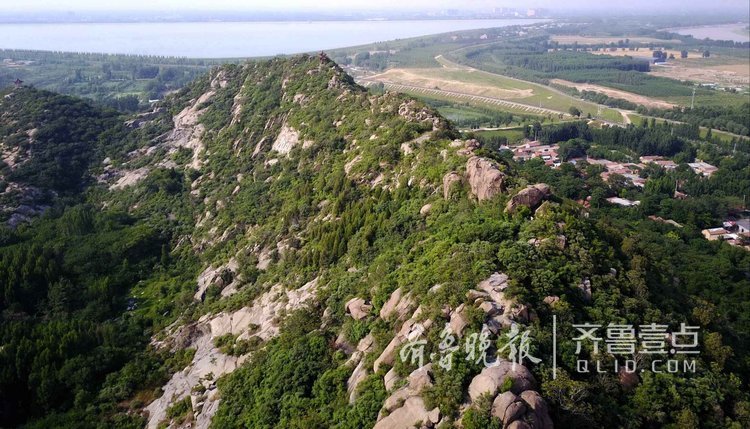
513 135
454 78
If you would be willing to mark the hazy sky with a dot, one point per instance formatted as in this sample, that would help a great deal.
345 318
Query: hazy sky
82 5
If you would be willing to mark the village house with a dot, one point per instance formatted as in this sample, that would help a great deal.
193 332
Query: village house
703 168
735 233
534 149
623 202
712 234
626 169
667 164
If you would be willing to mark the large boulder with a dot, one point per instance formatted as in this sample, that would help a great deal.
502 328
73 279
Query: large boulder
449 180
413 411
504 408
358 308
366 344
531 197
485 179
343 344
410 331
537 406
459 320
492 378
527 410
421 378
358 375
390 379
585 288
398 304
425 210
515 411
494 286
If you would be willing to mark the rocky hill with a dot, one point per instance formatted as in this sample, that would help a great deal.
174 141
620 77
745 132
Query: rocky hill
48 142
282 237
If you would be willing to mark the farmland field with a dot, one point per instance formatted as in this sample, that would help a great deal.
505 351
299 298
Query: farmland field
719 68
592 40
456 79
614 93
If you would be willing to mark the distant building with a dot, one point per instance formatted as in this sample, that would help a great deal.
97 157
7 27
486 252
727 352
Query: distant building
661 162
712 234
534 149
734 233
623 202
703 168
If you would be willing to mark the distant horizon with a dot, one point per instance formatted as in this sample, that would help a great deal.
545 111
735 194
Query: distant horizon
326 6
246 15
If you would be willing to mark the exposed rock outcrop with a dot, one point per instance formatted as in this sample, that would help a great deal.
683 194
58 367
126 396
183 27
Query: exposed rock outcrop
516 410
492 378
358 375
398 305
501 312
259 320
585 288
538 406
405 407
414 111
410 330
485 178
449 180
390 379
425 210
531 197
358 308
222 277
412 412
288 138
458 320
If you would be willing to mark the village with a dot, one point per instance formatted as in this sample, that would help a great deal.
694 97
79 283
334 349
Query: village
735 232
631 171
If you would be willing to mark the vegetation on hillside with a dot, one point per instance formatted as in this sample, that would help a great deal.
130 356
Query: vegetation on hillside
86 286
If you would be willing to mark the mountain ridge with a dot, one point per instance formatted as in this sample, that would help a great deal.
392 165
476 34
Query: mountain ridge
275 235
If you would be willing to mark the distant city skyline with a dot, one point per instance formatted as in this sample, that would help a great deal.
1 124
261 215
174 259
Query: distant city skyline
361 5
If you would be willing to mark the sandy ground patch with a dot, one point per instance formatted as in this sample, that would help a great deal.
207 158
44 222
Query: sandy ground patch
739 69
725 75
591 40
629 96
425 78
